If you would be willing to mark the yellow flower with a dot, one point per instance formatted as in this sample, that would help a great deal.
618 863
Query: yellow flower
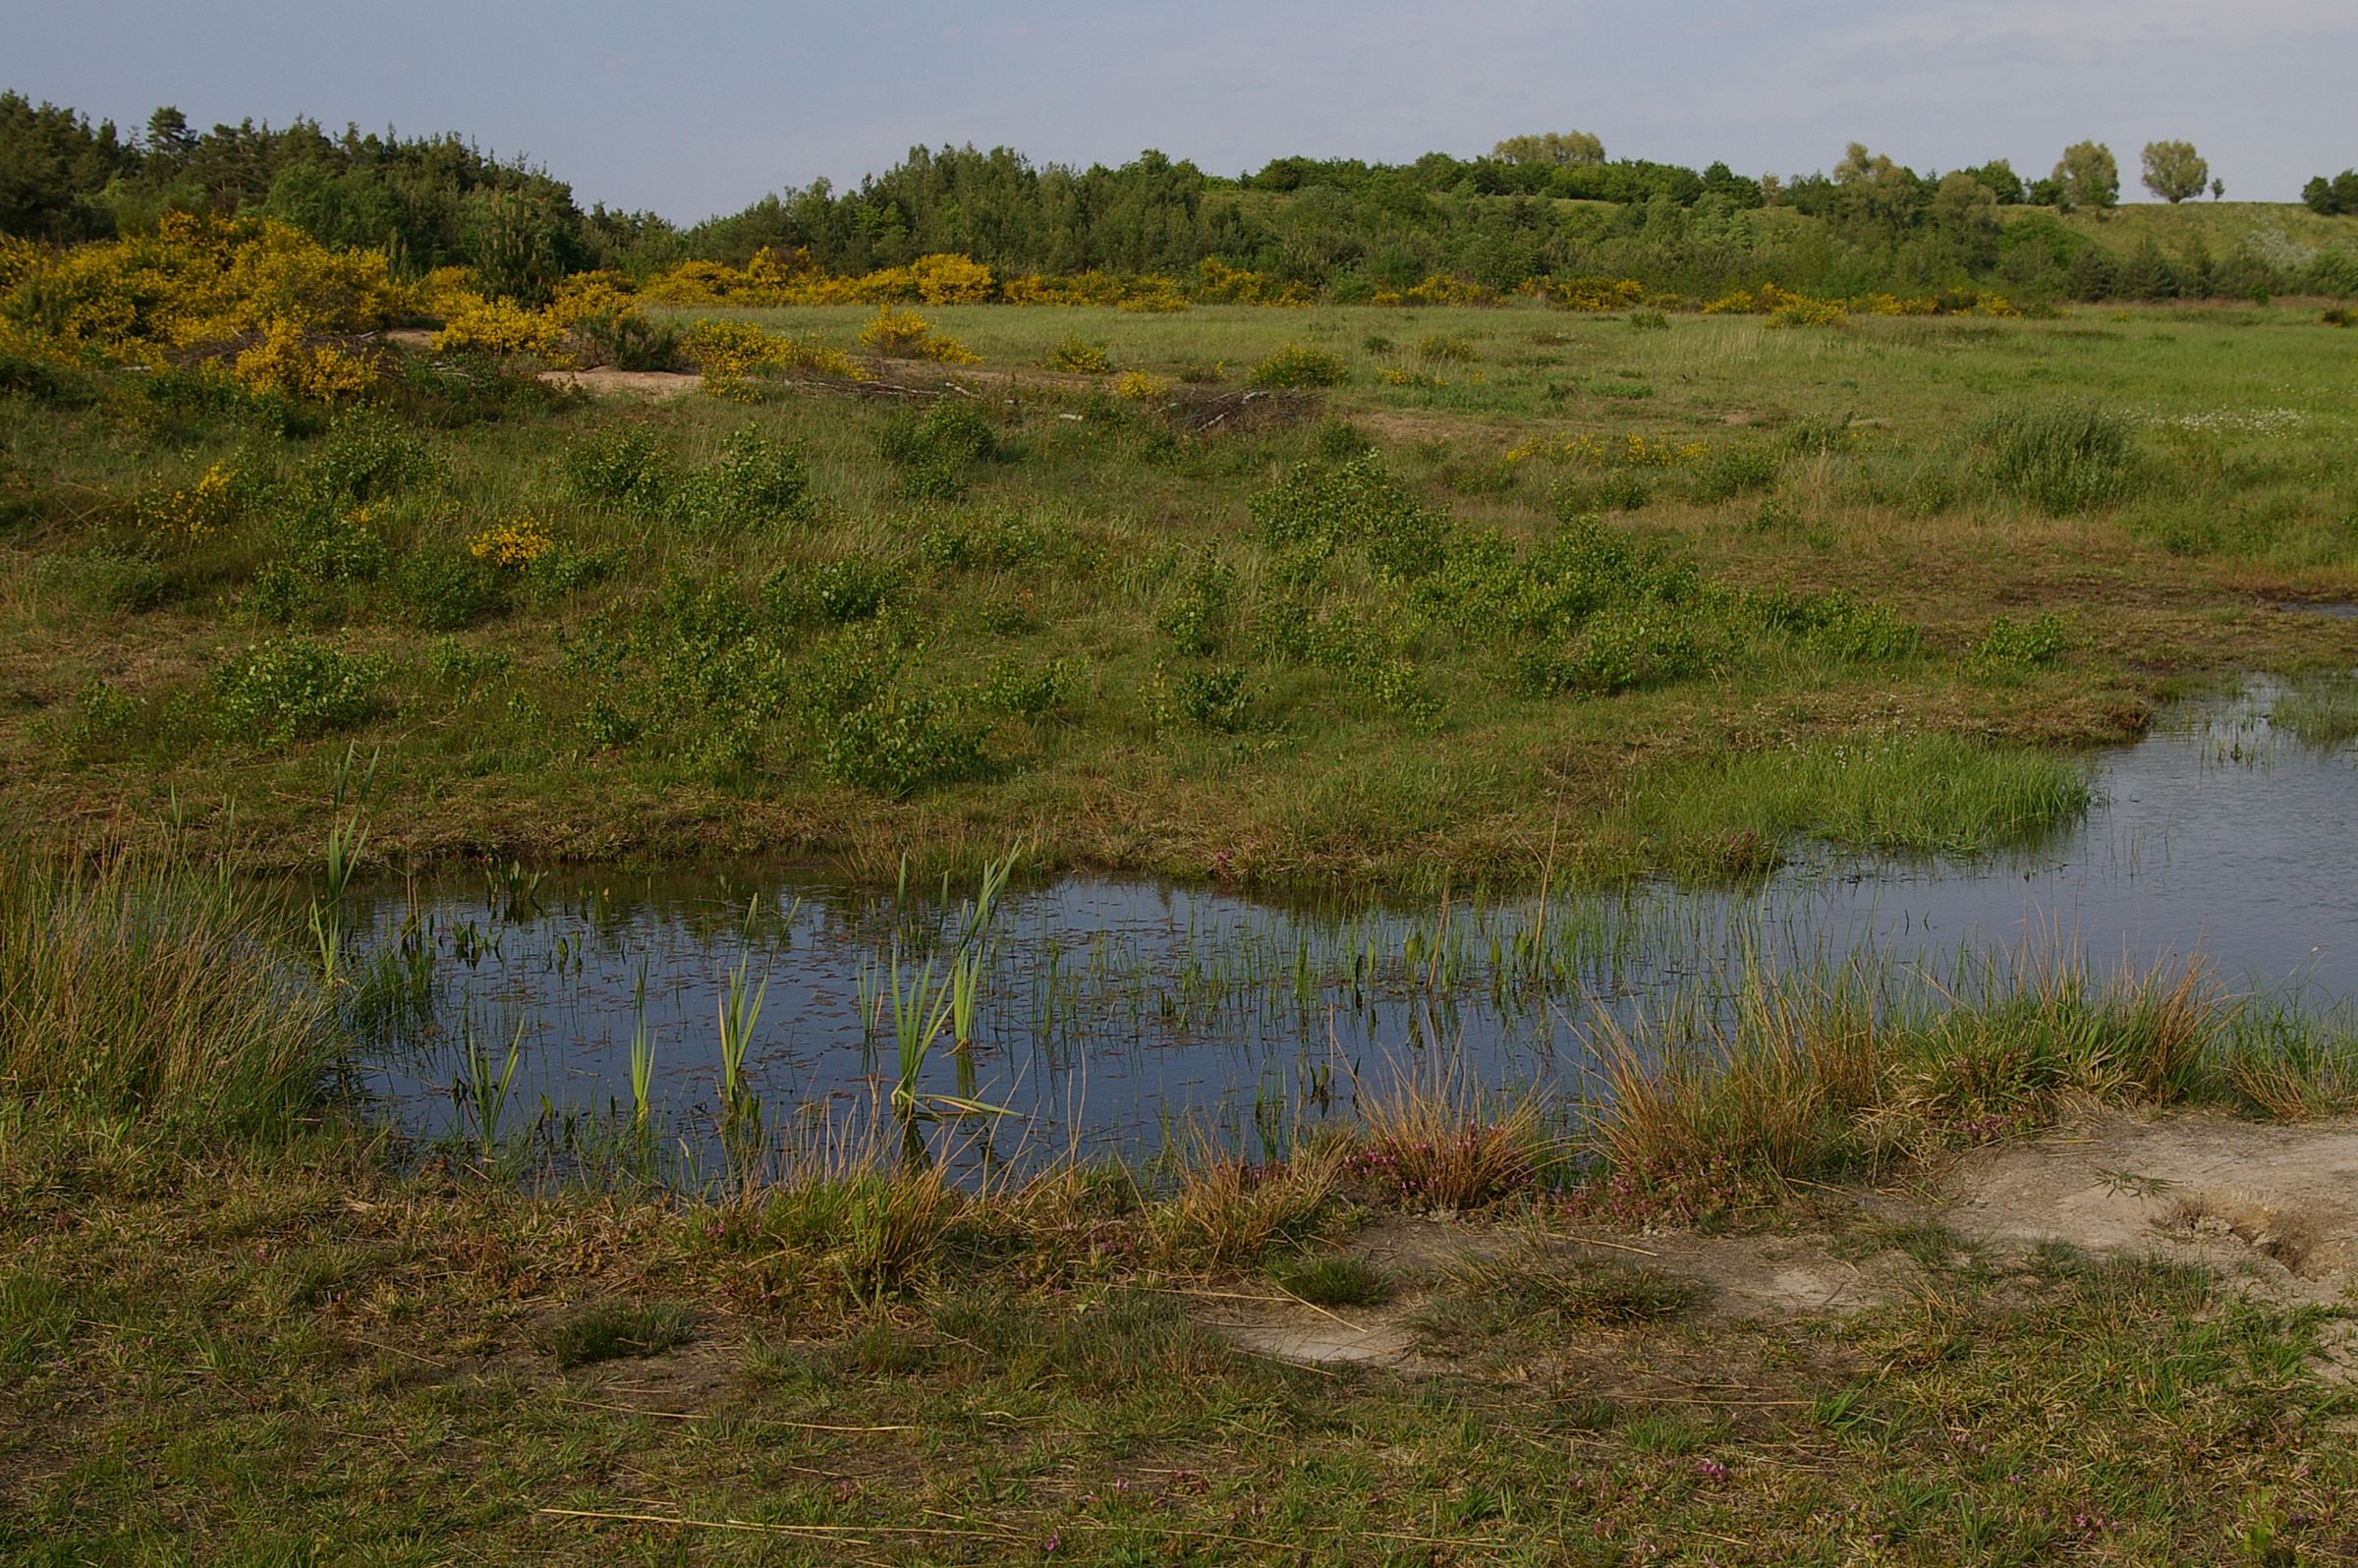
519 541
1139 387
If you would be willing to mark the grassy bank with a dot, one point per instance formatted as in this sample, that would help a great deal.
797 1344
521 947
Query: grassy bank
239 1331
1660 599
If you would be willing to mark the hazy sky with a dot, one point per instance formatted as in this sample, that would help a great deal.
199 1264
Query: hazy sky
699 106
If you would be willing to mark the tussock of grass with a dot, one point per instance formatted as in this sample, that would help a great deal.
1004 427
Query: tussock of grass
612 1330
2319 710
1838 1078
2061 458
1541 1296
132 985
1337 1279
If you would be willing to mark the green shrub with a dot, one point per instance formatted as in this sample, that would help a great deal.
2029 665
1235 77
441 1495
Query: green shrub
2060 458
620 466
291 689
368 456
445 589
1300 365
1734 471
567 569
1197 615
1024 693
629 340
1213 698
933 449
1359 504
101 580
854 588
896 744
757 484
1836 623
2006 646
1618 649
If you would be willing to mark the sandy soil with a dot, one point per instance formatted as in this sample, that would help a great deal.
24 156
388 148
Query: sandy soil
2271 1208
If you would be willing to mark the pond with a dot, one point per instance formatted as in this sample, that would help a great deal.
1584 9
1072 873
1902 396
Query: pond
1108 1012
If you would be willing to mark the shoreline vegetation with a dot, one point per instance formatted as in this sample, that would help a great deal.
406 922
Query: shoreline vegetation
314 559
219 1272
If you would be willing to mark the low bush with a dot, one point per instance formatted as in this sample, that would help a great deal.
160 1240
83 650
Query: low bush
1298 365
292 689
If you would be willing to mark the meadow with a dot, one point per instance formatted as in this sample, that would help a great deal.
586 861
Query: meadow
1412 602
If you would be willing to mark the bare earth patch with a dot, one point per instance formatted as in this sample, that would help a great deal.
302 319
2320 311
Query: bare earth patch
2271 1207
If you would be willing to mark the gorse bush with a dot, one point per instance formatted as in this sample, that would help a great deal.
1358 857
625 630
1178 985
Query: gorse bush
292 689
366 456
2061 457
1298 365
1077 356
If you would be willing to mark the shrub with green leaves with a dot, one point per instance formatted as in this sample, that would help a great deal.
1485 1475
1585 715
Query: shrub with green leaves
1836 623
855 587
757 484
1734 471
1618 649
1209 699
292 689
2008 648
1196 616
1019 693
1297 364
2060 458
445 589
367 455
1319 510
622 466
899 743
933 449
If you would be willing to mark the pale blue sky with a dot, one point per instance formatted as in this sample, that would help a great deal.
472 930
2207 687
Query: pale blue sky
701 106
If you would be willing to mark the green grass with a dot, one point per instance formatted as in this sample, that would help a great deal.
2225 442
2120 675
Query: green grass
613 1330
846 633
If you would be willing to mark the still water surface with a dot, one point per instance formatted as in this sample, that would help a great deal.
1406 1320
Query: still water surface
1117 1009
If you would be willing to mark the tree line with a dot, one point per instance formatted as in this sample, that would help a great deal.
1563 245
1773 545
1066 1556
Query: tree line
1537 205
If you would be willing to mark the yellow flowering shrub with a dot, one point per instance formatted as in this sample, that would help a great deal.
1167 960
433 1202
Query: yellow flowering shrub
1139 387
1157 296
903 334
1219 283
729 353
261 298
286 361
1441 287
1418 378
1590 294
18 258
950 280
518 541
198 512
498 326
